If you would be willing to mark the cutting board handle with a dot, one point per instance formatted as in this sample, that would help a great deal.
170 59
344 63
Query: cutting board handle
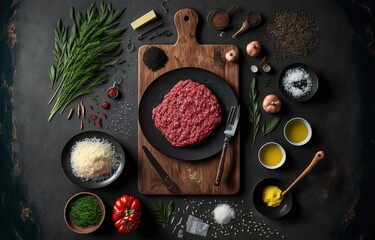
186 21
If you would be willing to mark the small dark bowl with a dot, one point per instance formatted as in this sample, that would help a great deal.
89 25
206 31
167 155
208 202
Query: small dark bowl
70 223
314 78
272 212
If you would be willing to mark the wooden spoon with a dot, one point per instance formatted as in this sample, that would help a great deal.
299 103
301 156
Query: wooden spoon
252 20
319 156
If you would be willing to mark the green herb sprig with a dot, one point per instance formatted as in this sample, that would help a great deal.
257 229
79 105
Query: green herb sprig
270 125
163 214
82 54
85 211
254 112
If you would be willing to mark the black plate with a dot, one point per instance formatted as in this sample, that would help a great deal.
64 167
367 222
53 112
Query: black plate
154 95
65 159
272 212
314 79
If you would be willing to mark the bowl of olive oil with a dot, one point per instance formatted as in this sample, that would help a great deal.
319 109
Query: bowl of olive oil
272 155
297 131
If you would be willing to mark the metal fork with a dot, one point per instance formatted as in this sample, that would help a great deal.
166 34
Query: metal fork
230 130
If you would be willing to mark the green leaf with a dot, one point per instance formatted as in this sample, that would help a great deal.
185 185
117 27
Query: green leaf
254 112
52 74
170 210
270 125
115 16
72 15
102 7
163 214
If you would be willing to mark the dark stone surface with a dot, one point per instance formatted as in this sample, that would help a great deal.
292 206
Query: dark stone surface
333 202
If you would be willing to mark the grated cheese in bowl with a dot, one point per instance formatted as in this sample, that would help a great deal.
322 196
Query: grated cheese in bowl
93 159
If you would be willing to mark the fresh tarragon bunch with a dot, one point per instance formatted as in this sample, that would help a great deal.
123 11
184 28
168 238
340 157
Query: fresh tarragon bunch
83 52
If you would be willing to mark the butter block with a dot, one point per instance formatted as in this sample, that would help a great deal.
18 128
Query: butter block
148 17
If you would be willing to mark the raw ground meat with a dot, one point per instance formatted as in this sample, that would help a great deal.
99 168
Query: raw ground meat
188 114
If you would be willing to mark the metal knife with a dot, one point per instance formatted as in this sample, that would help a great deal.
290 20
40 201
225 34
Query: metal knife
167 181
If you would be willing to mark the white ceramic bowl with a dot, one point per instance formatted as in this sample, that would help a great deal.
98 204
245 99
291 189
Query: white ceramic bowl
262 161
309 131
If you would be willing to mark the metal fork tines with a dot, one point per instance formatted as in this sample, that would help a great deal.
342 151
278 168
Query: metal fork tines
232 122
230 130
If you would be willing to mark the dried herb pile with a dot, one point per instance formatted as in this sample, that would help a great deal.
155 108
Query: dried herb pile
293 33
83 52
85 212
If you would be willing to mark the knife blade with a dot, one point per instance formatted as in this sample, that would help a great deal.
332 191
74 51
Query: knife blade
167 181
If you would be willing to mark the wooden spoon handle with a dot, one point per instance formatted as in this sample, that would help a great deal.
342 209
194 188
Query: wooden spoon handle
319 156
244 27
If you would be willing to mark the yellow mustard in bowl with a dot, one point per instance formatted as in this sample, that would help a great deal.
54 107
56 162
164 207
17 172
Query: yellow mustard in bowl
272 196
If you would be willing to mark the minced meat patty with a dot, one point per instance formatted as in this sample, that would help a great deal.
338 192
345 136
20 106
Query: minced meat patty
188 114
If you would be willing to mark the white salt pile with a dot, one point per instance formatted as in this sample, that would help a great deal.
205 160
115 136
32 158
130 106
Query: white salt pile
223 214
297 82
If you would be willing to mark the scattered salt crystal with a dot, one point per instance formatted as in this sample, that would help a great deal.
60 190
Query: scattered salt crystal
297 82
180 234
174 229
223 214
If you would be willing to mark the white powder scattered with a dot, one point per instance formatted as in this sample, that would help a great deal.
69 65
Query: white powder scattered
223 214
297 82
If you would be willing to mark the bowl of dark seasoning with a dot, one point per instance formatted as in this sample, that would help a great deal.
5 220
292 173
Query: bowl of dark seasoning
219 18
155 58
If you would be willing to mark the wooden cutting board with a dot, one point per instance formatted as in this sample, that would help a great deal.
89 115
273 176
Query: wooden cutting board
193 177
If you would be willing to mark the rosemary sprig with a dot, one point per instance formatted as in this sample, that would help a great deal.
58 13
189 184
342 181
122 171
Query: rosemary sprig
82 54
254 112
270 125
163 214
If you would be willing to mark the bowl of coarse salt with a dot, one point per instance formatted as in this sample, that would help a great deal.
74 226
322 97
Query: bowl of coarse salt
298 82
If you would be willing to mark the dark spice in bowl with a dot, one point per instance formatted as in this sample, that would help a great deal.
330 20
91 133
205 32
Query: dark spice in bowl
155 58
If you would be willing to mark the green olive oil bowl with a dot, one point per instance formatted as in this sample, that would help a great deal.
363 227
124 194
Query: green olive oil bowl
70 223
297 131
268 159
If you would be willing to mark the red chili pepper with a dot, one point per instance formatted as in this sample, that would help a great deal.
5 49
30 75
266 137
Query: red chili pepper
104 115
90 106
93 117
100 123
127 214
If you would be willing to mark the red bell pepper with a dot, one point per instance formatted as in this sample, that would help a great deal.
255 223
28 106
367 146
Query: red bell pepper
127 214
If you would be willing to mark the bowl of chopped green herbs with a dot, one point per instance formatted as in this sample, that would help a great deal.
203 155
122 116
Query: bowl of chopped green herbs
84 212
